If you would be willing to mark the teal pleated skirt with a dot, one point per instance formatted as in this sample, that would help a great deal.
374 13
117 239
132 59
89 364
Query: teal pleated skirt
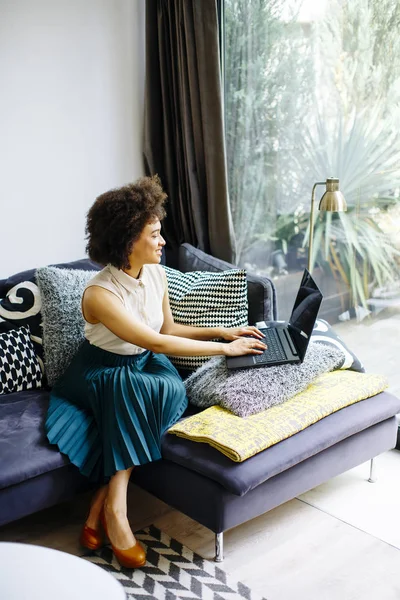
108 411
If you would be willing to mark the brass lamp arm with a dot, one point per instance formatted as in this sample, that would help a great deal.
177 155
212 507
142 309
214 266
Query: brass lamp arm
311 235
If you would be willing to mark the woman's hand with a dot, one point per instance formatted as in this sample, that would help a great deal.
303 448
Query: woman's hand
244 345
235 333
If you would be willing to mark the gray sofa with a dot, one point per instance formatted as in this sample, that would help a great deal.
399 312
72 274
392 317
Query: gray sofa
207 486
194 478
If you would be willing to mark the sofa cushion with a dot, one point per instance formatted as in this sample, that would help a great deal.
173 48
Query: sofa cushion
239 478
24 449
19 366
261 293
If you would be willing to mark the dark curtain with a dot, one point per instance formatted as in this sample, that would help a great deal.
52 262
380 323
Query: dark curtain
184 126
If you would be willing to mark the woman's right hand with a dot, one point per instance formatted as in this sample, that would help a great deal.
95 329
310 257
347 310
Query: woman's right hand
243 346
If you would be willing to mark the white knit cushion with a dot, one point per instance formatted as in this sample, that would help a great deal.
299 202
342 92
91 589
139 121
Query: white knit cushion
205 299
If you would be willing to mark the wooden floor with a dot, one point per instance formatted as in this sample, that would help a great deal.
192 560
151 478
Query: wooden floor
311 548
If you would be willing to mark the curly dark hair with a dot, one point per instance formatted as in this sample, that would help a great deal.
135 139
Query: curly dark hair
117 218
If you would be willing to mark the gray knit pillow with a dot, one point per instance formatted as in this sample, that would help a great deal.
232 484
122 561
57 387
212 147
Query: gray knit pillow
63 325
248 391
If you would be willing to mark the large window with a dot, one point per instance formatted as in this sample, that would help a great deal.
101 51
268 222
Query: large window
312 90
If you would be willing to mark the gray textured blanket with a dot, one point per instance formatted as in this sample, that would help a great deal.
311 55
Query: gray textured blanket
248 391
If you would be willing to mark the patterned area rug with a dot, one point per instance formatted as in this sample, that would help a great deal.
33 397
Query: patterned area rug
172 572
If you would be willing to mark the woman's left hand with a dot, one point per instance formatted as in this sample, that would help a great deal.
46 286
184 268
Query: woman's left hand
234 333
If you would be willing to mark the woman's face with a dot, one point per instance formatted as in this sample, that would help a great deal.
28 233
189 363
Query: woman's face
148 248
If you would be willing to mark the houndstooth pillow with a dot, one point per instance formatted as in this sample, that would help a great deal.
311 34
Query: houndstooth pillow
19 366
205 299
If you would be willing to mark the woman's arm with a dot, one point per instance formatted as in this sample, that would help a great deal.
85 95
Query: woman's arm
100 305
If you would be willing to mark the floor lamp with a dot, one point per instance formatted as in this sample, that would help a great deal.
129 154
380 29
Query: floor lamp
332 201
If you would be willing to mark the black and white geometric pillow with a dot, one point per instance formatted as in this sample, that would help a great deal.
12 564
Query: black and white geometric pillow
206 299
324 334
19 366
21 306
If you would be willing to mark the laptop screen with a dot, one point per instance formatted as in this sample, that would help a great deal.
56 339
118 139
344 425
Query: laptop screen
305 312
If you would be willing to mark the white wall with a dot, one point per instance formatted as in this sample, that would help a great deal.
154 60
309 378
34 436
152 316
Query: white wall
71 120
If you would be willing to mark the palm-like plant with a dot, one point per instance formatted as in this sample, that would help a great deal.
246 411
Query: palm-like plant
364 152
356 251
362 149
278 144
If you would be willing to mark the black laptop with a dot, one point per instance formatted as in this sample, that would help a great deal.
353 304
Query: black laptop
287 341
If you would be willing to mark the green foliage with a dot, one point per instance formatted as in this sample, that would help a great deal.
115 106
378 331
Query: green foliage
363 150
359 45
306 101
357 251
268 76
289 230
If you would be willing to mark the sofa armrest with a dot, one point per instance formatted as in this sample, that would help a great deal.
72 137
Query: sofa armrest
261 292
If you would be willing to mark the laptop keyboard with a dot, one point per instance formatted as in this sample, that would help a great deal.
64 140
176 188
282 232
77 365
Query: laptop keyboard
275 351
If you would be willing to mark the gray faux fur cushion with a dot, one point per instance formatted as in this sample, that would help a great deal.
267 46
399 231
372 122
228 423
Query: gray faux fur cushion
63 325
248 391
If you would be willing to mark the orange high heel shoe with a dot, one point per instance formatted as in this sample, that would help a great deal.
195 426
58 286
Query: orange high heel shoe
131 558
92 539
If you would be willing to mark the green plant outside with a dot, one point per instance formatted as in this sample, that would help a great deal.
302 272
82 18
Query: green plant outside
356 251
296 123
365 155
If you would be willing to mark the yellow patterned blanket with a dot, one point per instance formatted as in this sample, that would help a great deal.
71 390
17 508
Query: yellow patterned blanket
241 437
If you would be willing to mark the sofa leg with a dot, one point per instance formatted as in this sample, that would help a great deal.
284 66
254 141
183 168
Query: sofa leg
219 547
372 472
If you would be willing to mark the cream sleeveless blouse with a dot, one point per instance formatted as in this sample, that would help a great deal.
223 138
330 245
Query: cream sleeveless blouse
141 297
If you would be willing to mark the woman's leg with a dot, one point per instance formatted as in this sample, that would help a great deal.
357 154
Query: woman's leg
96 507
115 511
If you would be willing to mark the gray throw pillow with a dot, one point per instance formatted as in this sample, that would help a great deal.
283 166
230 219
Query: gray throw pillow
63 324
248 391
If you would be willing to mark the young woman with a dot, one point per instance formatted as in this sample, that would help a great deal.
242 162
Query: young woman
121 393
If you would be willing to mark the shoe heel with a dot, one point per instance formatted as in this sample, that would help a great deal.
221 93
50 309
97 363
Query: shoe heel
92 539
131 558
